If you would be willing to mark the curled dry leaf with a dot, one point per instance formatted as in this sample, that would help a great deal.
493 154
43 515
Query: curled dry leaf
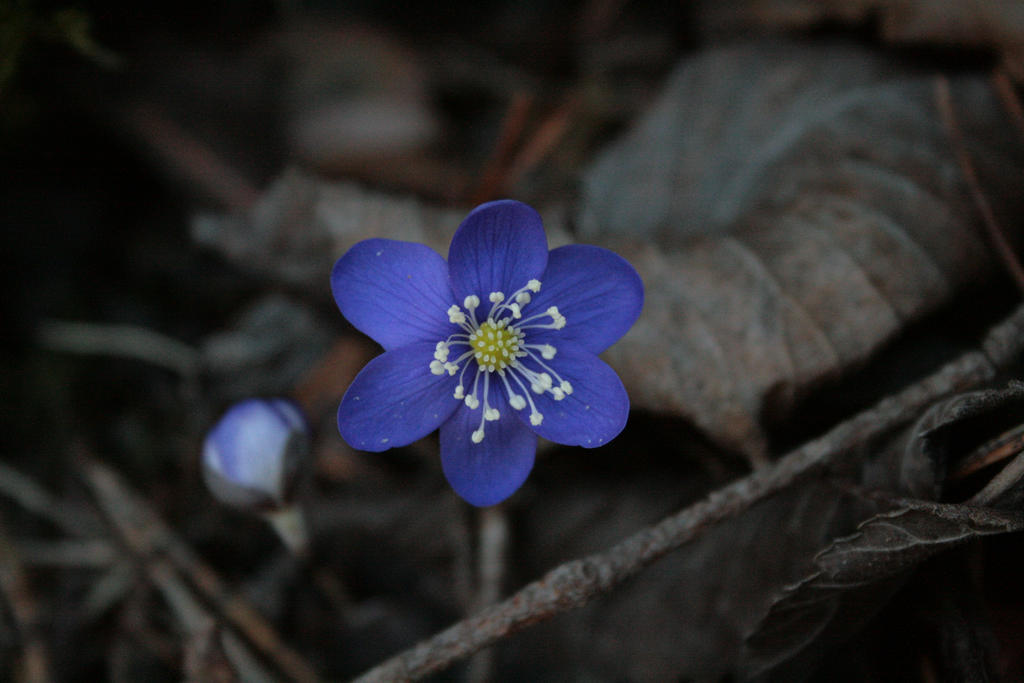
852 577
855 574
958 441
792 208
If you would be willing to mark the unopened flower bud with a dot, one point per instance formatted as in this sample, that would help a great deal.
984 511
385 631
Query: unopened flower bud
251 459
252 455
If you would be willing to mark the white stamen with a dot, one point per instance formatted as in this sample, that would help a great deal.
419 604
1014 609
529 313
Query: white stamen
529 399
455 315
497 343
557 319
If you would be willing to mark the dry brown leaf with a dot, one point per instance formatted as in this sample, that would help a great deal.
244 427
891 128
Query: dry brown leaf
303 224
356 97
266 350
994 24
795 207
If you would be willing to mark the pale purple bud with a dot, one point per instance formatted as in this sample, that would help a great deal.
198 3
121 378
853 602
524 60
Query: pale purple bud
252 455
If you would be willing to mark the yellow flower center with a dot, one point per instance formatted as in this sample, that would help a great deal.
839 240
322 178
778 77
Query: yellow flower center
500 350
495 345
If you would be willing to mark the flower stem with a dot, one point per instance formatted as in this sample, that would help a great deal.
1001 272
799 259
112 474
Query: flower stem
290 525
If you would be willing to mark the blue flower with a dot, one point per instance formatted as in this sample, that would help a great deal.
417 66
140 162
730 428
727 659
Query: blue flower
251 456
494 347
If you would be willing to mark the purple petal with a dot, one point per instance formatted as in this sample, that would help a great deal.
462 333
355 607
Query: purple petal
599 293
395 292
499 247
488 472
596 410
396 400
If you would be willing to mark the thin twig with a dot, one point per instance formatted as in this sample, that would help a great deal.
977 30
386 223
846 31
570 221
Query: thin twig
196 162
148 537
1002 447
998 485
576 583
1002 245
543 141
130 341
138 629
92 553
206 660
512 125
107 590
198 623
24 490
1008 94
33 665
191 614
